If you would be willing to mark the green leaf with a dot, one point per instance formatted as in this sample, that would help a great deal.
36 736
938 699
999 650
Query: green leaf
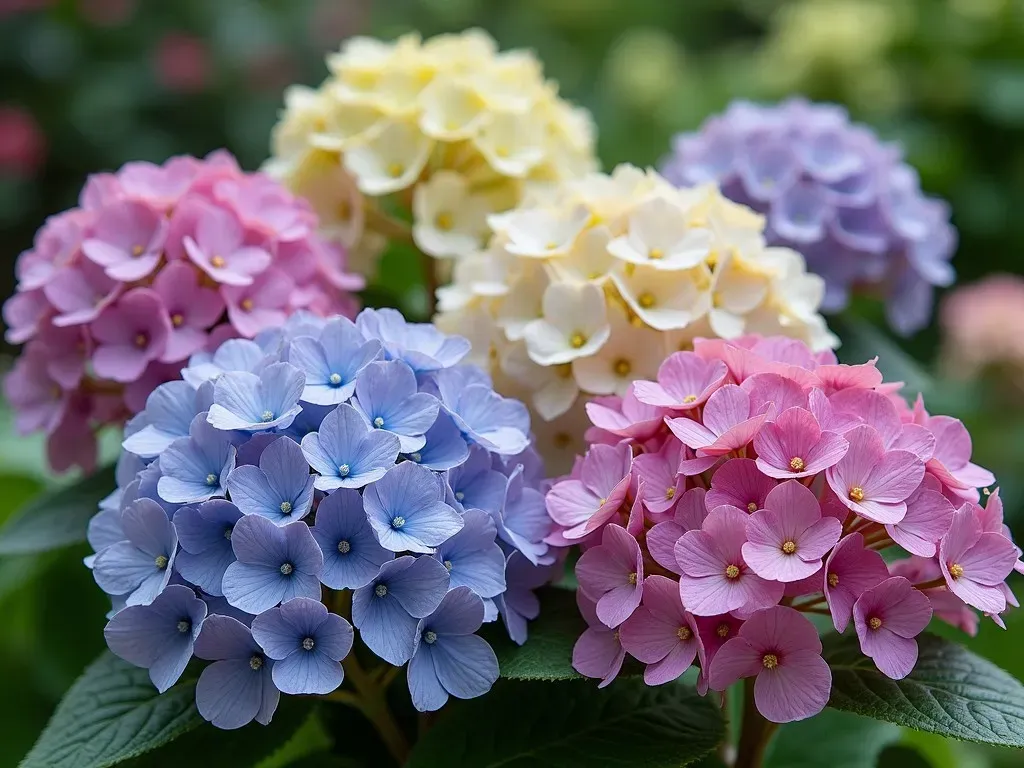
572 723
547 654
833 738
56 518
112 713
951 691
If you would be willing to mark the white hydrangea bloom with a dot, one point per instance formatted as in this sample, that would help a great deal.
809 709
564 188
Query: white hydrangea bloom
590 283
449 127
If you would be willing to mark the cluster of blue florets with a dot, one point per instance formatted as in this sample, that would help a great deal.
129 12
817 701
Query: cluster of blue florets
329 453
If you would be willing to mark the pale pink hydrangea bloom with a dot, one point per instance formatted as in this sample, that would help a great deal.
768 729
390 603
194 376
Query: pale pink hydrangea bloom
974 321
753 483
157 263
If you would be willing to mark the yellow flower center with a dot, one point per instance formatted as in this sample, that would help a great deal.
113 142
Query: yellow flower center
177 319
690 399
622 367
137 250
646 300
857 493
444 221
722 630
632 579
732 571
789 547
551 245
395 170
217 261
797 464
752 506
684 633
770 661
670 492
141 340
577 340
655 254
161 561
833 580
956 570
247 305
875 623
502 151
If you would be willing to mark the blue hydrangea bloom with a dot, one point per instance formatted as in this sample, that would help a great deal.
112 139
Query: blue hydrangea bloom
307 643
450 660
159 636
833 191
280 488
262 477
238 687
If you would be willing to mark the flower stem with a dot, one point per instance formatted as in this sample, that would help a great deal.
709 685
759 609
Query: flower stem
430 282
372 702
390 227
755 731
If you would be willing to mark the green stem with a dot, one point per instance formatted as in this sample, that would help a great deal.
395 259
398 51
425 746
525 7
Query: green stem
755 733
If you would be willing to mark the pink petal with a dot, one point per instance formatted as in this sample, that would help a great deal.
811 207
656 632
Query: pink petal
661 543
894 656
875 409
736 437
929 515
674 664
987 599
648 638
770 562
797 689
857 570
119 363
771 388
738 483
796 506
991 560
879 512
916 439
836 377
865 450
697 555
617 605
952 442
598 654
828 452
690 432
691 510
781 629
570 503
735 660
818 539
604 467
894 478
728 407
973 476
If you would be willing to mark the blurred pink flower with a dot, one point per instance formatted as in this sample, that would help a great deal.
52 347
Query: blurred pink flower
182 63
22 143
976 321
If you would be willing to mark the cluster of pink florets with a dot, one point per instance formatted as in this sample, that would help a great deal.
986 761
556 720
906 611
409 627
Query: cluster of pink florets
756 482
156 263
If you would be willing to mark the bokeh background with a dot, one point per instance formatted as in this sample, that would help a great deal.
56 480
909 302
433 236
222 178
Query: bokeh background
86 85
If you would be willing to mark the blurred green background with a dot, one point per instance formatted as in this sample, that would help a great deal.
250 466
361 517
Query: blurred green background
86 85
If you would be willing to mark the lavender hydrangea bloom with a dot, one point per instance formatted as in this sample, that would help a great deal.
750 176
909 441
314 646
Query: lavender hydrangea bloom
159 636
307 644
280 488
140 566
831 190
449 659
518 604
238 687
374 486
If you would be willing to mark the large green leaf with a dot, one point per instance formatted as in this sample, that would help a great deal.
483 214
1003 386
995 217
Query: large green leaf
56 518
547 654
836 739
572 723
112 713
951 691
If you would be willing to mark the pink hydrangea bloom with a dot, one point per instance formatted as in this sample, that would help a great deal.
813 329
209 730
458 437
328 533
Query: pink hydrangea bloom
156 264
709 525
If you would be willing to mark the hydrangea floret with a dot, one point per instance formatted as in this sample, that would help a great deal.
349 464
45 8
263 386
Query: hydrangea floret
588 287
449 128
755 483
266 522
832 190
156 264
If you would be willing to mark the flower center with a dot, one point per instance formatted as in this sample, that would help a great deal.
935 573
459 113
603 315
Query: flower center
459 495
722 630
286 507
622 367
227 533
417 457
732 571
956 570
267 416
684 633
551 245
255 662
797 464
397 522
343 470
632 579
690 399
770 661
875 623
577 340
177 319
448 564
752 506
395 170
857 493
833 580
380 590
344 547
137 250
670 492
184 626
335 379
286 569
141 340
430 637
247 304
211 479
378 422
444 221
646 300
655 253
161 561
308 643
789 546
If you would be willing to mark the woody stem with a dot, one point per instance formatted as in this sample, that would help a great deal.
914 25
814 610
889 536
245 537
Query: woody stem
756 732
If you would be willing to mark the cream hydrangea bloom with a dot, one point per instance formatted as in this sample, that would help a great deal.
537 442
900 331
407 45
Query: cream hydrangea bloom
589 284
449 129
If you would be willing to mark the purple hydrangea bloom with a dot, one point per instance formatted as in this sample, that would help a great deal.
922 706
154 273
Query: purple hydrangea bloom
159 636
307 644
204 532
352 555
450 660
831 190
280 488
140 566
273 564
387 610
259 480
238 687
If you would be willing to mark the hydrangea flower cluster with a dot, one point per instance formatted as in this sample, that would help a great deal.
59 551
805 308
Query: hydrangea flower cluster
450 127
588 287
155 264
422 515
831 189
755 482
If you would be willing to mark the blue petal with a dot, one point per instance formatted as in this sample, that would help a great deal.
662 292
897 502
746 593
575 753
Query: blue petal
460 613
229 694
384 626
445 447
419 587
340 518
255 588
223 637
465 665
308 672
427 693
